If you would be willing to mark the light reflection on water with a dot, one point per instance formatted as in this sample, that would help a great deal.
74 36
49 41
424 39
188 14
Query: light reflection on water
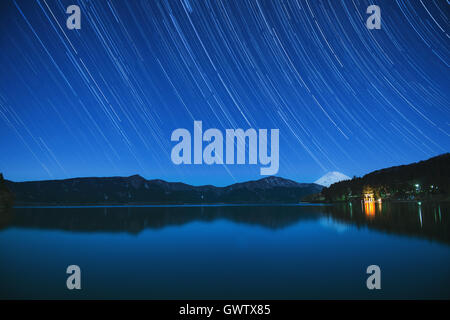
227 251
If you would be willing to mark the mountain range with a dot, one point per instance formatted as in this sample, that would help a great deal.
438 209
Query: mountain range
429 179
137 190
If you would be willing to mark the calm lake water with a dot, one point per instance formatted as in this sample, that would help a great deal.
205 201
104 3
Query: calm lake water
227 252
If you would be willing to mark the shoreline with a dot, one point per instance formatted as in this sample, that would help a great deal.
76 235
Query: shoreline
171 205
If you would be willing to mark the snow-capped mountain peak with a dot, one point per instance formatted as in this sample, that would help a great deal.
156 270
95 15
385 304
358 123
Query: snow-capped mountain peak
331 177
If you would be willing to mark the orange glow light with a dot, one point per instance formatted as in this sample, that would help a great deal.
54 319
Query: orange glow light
369 208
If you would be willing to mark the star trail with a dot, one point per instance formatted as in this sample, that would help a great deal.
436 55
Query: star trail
103 100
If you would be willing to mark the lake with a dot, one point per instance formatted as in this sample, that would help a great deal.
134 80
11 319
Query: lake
227 252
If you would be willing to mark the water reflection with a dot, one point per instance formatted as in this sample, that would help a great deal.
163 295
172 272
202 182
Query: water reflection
425 220
136 219
369 209
420 215
6 217
428 221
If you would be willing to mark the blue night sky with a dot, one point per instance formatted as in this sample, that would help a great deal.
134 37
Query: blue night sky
104 100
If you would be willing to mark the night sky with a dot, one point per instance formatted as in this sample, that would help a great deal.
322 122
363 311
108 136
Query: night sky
104 100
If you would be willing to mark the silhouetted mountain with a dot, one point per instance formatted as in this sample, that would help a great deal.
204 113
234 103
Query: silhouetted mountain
136 189
429 179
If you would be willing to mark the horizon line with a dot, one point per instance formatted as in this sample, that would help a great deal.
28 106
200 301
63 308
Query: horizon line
153 179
